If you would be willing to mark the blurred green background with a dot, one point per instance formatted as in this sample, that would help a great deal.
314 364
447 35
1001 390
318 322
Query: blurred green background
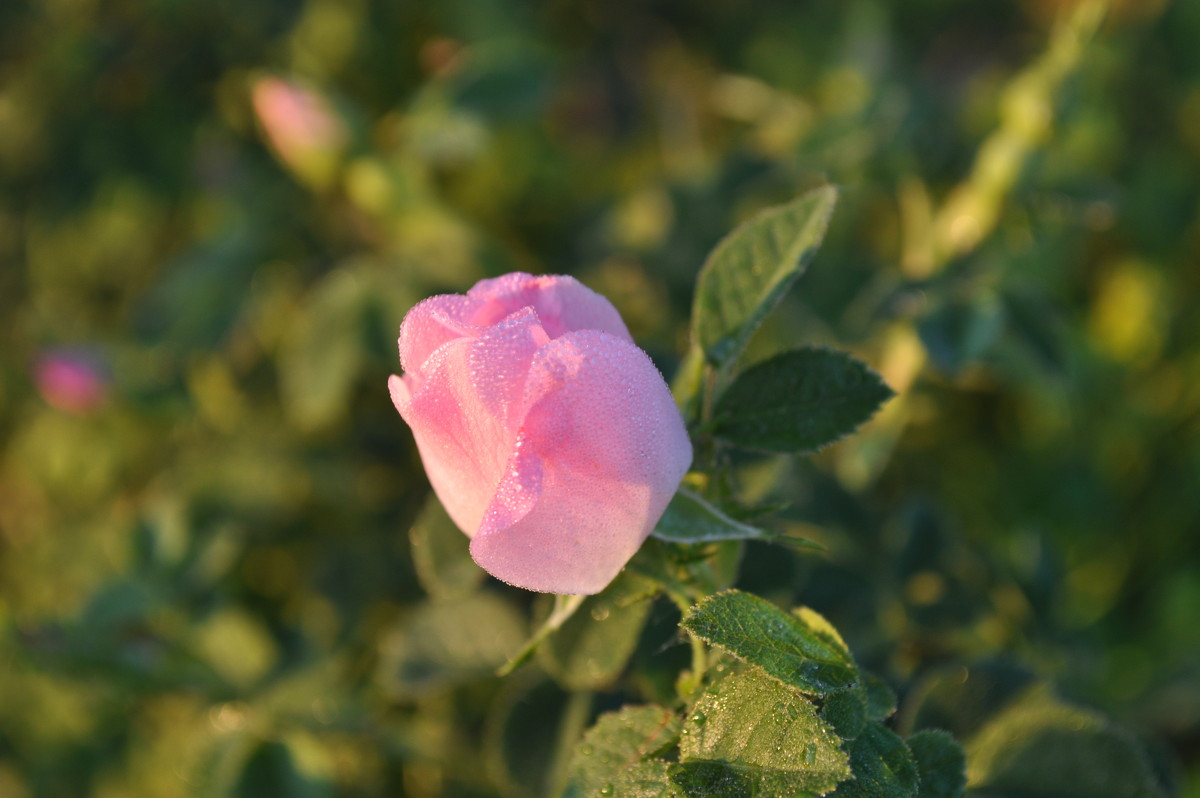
213 216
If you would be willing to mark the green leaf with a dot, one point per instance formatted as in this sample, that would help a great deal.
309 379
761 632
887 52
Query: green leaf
941 763
1043 746
447 641
688 383
750 270
690 519
962 699
442 554
707 779
798 401
846 712
589 650
271 769
507 79
524 728
823 629
321 355
961 331
615 746
881 698
800 650
765 731
1035 324
649 779
883 767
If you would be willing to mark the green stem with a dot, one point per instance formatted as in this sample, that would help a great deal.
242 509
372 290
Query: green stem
692 681
564 608
570 729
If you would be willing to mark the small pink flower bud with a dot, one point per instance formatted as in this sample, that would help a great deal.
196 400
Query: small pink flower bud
301 126
70 381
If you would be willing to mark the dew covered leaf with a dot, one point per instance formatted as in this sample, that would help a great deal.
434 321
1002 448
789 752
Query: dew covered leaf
846 712
750 728
881 698
648 779
798 401
708 779
619 749
690 519
941 763
751 269
799 649
883 766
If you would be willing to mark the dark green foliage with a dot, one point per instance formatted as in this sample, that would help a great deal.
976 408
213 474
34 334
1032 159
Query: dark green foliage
224 573
883 767
690 519
271 770
941 763
1040 745
799 401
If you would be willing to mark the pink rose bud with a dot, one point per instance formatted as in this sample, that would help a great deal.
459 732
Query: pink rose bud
302 127
71 381
550 438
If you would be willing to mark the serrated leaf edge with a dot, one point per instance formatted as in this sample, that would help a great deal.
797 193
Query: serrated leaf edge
714 424
773 297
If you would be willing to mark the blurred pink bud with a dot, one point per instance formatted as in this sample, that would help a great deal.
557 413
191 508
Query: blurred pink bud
70 381
550 438
302 127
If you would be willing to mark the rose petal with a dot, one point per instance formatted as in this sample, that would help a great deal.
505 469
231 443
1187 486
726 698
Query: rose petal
603 450
464 412
431 323
562 303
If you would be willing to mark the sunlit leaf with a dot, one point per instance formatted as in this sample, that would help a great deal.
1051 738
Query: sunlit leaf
616 753
794 649
750 270
751 730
